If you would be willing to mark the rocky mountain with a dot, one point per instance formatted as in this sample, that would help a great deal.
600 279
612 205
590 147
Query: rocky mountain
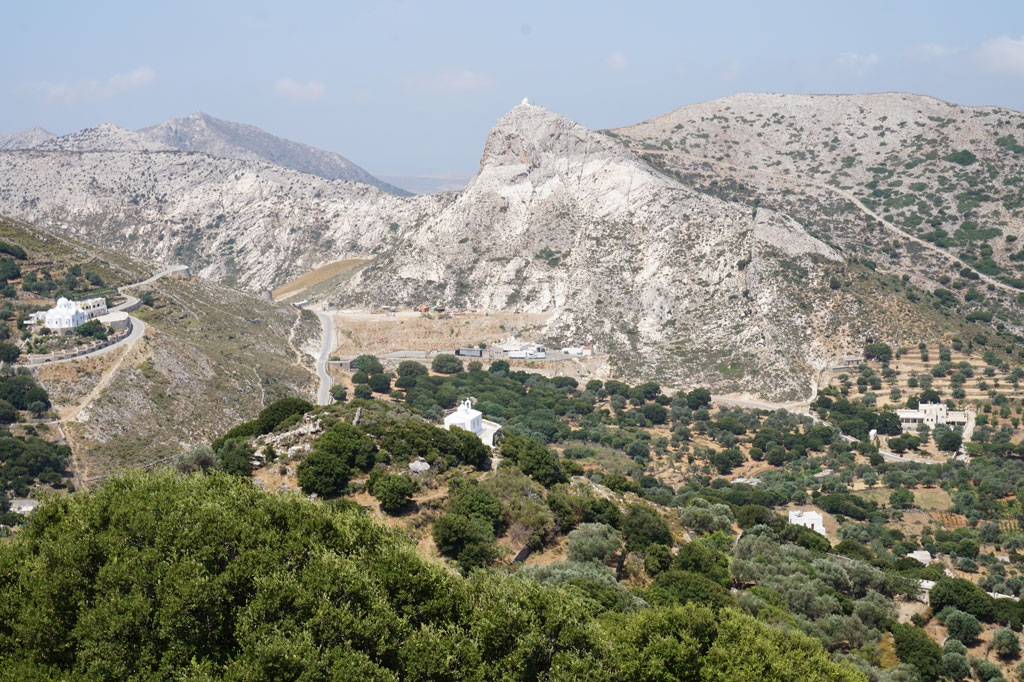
245 223
741 244
26 139
675 283
104 137
202 133
911 183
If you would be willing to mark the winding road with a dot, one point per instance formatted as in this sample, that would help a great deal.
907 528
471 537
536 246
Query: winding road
323 396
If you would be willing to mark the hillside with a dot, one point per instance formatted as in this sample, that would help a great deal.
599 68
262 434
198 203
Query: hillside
913 184
200 132
672 282
211 356
735 258
221 578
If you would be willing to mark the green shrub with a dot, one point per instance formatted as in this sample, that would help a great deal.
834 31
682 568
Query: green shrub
279 410
593 542
445 363
393 491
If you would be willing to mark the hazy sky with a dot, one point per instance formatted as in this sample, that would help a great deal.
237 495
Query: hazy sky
412 87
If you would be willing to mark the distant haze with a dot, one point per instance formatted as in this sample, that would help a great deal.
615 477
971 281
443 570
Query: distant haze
402 88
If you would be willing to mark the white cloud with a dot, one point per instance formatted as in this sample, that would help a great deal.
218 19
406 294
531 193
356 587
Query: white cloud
932 51
730 71
85 90
857 63
616 62
309 91
450 81
1003 54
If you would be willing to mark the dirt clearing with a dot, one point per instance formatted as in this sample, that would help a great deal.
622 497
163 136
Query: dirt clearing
381 333
314 277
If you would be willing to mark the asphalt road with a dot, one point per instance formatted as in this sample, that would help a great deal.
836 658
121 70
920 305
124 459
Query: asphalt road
323 396
138 329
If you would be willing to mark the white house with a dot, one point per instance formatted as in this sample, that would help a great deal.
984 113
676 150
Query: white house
931 414
468 419
24 505
65 316
93 307
808 519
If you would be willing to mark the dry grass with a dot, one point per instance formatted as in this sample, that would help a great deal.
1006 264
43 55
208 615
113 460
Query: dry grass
382 333
314 277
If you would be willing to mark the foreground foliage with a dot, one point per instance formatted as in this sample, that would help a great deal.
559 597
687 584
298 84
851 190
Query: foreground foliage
206 577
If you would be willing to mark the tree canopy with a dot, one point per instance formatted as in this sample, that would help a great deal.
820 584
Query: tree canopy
163 576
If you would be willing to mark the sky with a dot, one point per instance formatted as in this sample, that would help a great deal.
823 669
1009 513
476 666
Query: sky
411 88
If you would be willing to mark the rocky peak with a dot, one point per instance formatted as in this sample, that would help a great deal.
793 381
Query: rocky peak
529 133
26 139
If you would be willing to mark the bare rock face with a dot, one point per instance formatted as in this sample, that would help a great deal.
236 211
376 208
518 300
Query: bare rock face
203 133
674 283
26 139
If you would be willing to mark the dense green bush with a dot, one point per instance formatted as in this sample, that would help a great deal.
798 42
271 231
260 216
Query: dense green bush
336 453
393 491
642 527
594 542
218 580
535 460
279 410
913 646
963 595
445 363
368 364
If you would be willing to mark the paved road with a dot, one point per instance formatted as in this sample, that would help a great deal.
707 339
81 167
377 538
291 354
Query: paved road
170 269
138 329
323 396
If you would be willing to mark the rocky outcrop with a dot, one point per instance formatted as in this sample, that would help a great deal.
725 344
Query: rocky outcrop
670 281
246 223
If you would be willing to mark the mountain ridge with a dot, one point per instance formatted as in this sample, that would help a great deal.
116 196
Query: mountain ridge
200 132
732 251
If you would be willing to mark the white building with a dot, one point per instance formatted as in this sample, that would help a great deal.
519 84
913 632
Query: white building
93 307
65 316
468 419
518 350
931 414
24 506
116 320
808 519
